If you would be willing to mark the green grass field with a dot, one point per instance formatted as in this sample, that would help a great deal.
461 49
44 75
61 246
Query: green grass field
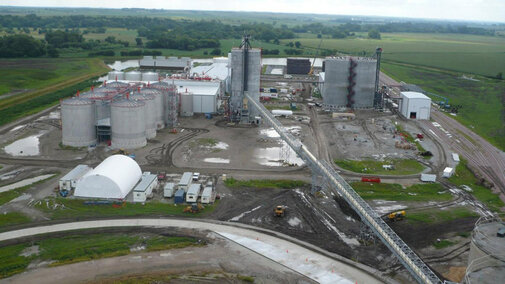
74 208
13 218
401 166
7 196
265 183
76 248
483 102
464 176
436 215
388 191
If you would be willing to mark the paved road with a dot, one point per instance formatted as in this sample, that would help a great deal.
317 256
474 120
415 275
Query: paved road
287 251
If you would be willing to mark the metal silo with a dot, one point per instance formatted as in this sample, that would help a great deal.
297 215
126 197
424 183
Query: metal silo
336 81
128 124
116 75
78 122
150 111
150 76
102 98
116 85
159 108
133 76
186 104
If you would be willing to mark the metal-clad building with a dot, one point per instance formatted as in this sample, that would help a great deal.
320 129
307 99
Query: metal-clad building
69 181
415 105
78 122
237 103
144 189
365 82
298 66
128 126
149 113
186 104
336 81
162 62
205 94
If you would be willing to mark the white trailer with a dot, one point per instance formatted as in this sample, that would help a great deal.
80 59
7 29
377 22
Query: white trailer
428 178
185 181
169 190
448 172
144 188
193 192
207 195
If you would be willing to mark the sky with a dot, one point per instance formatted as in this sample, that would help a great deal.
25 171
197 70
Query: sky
471 10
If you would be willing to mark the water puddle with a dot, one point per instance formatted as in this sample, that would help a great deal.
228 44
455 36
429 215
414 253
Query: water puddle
24 182
217 160
28 146
17 127
277 156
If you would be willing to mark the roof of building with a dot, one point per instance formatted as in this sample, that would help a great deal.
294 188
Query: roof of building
77 172
169 185
194 188
114 178
145 182
216 70
207 191
205 88
186 178
180 193
415 95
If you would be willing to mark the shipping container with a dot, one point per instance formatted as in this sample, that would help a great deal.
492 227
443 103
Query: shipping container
179 196
371 179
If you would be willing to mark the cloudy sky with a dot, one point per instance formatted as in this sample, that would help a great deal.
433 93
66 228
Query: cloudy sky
477 10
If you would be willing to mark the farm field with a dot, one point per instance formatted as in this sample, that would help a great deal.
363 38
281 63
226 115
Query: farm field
483 55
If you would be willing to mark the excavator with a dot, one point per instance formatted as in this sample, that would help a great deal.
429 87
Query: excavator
279 210
396 216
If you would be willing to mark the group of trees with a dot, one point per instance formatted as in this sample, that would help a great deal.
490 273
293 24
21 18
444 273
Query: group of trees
21 45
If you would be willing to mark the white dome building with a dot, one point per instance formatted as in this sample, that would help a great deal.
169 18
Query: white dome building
114 178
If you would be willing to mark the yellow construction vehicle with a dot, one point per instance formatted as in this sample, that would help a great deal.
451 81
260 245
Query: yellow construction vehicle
121 151
193 208
279 210
396 216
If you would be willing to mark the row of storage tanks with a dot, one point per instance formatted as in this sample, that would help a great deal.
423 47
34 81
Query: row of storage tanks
134 116
134 76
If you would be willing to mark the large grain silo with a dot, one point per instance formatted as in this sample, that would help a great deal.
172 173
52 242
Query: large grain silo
78 122
241 83
159 105
128 124
115 75
150 76
486 260
102 98
133 76
186 104
336 81
150 111
364 89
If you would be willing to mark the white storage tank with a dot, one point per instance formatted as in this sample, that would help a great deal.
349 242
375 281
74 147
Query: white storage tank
159 105
115 75
128 124
150 76
102 98
115 85
150 112
78 122
186 104
133 76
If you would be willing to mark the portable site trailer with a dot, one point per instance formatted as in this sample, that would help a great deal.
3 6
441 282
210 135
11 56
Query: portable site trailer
69 181
448 172
179 196
193 192
168 190
207 195
185 181
428 178
144 188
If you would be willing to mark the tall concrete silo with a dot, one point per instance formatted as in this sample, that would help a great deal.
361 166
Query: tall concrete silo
186 104
115 75
150 76
78 122
159 105
102 98
486 260
133 76
336 81
150 111
128 124
364 90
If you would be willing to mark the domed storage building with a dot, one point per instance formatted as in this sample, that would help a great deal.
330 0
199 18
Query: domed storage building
114 178
150 111
128 126
78 122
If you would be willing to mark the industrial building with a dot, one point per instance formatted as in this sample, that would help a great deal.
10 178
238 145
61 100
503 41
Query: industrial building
198 96
349 82
415 105
144 189
69 181
245 78
298 66
114 178
162 62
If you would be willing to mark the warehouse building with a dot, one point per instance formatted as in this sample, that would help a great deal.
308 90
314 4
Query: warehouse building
114 178
69 181
199 96
298 66
162 62
144 188
415 106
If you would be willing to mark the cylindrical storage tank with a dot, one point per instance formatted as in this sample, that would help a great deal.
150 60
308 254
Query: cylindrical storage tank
102 98
133 76
116 85
116 75
128 124
186 104
78 122
159 108
150 76
150 112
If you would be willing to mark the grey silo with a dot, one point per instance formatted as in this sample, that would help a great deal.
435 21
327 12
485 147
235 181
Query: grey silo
116 85
78 122
159 105
336 81
102 98
128 126
237 77
365 82
133 76
149 113
115 75
186 104
150 76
